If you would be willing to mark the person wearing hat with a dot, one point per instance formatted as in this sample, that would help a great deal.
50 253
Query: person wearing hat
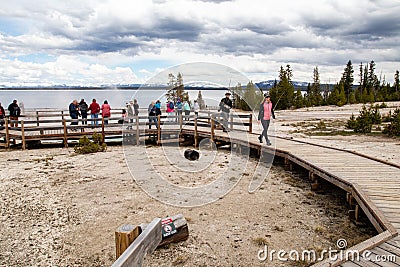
225 106
264 115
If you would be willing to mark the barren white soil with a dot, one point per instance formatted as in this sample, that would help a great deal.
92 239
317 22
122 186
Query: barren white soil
58 208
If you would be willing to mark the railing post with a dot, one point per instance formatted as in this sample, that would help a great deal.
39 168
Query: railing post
212 128
180 122
7 133
102 130
23 135
37 118
158 129
65 134
231 121
196 141
137 131
251 123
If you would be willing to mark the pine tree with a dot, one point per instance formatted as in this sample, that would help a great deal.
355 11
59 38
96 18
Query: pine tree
396 86
316 89
252 97
285 89
298 99
348 79
176 88
200 101
342 95
333 97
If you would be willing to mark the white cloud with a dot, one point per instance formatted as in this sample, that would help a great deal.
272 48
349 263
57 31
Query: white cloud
96 42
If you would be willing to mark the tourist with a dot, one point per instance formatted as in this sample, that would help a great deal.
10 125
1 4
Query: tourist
225 106
2 115
124 118
179 108
136 107
152 114
170 110
83 108
94 111
264 115
105 111
130 111
22 107
15 112
158 108
186 108
196 108
74 112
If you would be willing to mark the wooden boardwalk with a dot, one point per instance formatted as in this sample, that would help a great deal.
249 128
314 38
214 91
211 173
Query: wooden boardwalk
372 185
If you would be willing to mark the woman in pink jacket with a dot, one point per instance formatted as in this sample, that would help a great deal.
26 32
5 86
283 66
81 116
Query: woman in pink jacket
170 111
264 115
106 111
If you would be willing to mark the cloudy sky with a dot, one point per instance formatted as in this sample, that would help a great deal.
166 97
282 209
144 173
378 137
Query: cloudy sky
88 42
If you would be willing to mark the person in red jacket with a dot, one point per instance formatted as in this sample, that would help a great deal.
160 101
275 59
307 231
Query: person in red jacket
94 109
106 111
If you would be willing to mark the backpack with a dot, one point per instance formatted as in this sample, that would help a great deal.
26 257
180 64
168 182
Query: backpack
179 105
171 105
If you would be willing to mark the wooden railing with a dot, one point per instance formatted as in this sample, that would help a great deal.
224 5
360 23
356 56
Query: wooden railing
56 126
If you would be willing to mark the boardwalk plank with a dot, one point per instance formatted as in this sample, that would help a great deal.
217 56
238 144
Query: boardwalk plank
350 264
390 248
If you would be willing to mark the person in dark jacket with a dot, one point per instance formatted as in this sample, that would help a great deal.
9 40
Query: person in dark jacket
83 108
225 106
15 112
152 114
264 115
2 115
74 111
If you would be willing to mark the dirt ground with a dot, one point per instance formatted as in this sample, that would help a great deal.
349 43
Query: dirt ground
61 209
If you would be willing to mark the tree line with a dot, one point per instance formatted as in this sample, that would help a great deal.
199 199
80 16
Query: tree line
369 88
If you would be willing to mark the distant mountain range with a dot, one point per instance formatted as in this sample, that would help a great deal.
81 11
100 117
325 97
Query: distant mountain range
263 85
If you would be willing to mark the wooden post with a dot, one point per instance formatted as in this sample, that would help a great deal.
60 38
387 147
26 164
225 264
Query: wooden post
196 138
251 123
145 243
62 114
37 118
231 120
352 201
65 134
23 135
180 122
212 128
287 165
354 214
137 131
315 186
312 177
124 236
103 135
7 133
158 129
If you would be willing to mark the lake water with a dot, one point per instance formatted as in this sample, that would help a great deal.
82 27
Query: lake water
60 99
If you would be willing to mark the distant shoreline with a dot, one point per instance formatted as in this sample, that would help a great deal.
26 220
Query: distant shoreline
105 88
